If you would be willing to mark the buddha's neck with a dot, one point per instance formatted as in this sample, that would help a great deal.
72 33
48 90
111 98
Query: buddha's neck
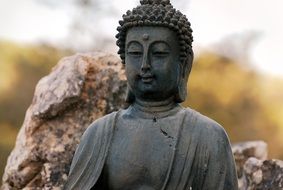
155 106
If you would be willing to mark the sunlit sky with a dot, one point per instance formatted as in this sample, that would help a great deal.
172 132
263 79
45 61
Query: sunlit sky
212 21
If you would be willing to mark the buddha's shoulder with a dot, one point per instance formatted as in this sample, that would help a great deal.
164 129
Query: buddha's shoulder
105 118
202 123
101 124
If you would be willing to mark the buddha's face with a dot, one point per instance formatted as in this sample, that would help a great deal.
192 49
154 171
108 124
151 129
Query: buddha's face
152 62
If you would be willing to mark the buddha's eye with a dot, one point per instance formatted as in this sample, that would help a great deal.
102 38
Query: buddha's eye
160 49
135 53
134 49
160 53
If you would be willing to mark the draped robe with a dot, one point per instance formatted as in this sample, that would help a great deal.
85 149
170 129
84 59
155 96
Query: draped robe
202 159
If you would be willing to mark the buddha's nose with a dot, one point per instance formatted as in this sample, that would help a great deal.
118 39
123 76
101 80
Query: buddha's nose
145 63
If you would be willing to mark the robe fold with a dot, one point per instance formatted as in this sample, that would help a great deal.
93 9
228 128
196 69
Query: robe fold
202 159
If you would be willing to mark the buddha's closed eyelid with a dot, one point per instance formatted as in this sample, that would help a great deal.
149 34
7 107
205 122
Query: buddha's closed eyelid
161 51
134 48
165 51
160 48
135 53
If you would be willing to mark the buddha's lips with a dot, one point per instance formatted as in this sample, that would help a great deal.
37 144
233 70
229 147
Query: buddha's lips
147 78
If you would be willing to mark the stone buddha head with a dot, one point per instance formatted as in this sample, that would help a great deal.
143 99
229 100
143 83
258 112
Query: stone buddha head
155 43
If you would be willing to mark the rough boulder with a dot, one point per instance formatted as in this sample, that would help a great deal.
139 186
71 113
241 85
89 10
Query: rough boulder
80 89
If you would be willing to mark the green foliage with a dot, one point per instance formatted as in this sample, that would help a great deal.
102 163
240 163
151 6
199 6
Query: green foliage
234 95
20 69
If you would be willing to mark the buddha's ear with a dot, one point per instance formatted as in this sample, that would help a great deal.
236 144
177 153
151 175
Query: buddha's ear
189 62
183 78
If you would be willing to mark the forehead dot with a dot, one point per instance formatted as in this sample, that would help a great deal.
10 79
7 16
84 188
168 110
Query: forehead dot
145 37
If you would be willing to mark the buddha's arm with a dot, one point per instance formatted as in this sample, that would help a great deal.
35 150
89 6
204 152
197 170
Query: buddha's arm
90 155
221 173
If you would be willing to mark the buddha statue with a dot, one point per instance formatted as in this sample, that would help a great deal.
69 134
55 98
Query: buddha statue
154 144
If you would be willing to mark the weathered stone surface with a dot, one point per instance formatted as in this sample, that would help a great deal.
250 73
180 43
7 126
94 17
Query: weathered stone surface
254 171
263 175
243 151
80 89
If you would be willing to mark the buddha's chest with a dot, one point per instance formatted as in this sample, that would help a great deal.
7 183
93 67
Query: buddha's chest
140 154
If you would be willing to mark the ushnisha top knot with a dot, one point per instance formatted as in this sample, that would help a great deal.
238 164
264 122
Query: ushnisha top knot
156 2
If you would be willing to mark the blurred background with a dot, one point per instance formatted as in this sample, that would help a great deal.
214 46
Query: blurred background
237 76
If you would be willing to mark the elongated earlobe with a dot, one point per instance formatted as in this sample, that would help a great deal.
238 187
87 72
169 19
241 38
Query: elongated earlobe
130 97
183 79
182 89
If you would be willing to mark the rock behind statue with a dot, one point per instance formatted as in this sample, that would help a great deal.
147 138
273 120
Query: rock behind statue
80 89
